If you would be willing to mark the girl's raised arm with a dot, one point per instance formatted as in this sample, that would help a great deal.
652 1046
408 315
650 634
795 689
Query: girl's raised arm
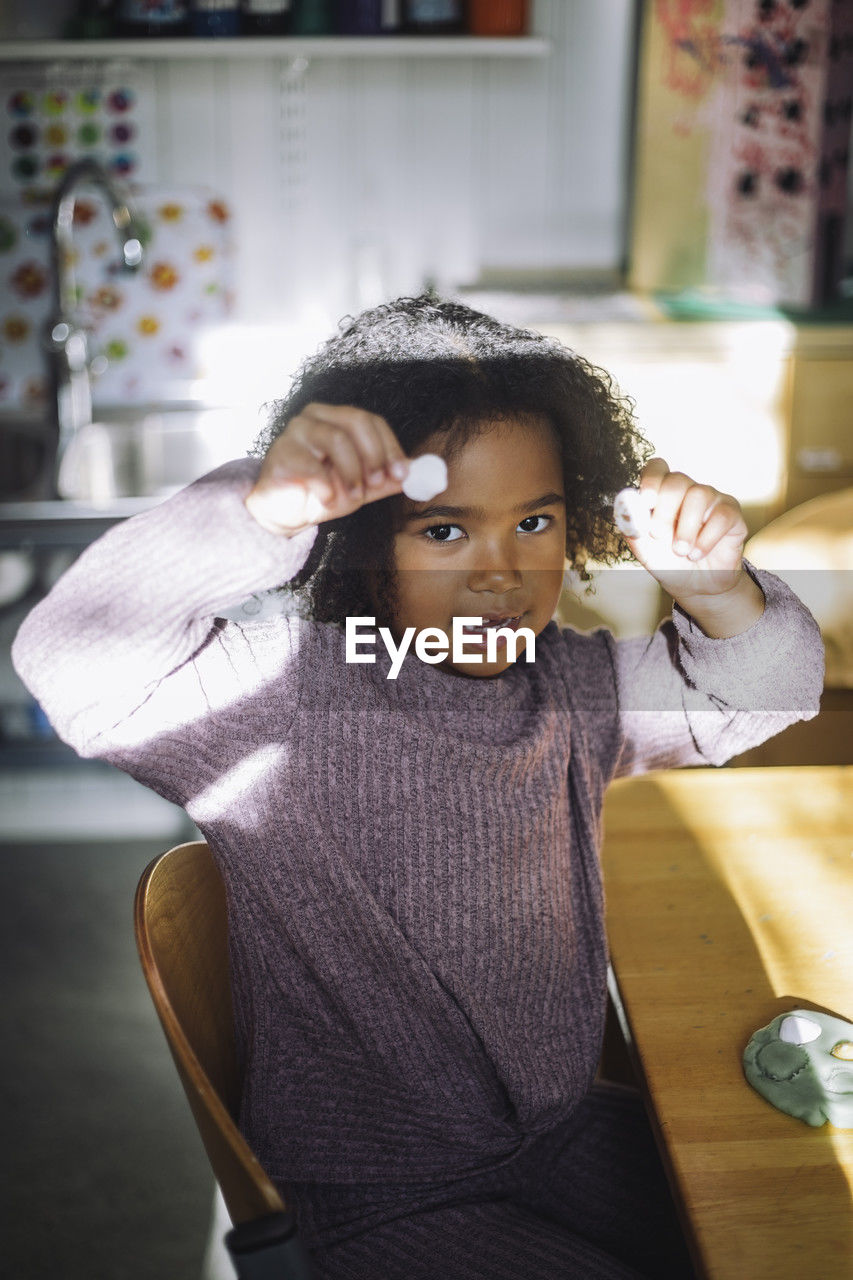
142 600
137 606
740 660
687 698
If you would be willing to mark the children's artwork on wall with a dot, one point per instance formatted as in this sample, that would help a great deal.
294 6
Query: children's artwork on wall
742 148
144 328
53 115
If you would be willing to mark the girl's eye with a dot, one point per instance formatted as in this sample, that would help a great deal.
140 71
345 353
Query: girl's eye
443 533
528 520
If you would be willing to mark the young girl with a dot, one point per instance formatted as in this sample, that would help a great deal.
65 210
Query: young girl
415 902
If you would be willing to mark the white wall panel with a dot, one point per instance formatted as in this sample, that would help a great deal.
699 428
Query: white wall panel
436 170
188 115
249 174
564 123
515 204
354 179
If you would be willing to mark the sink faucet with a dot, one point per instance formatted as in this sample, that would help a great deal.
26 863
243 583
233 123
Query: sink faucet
66 340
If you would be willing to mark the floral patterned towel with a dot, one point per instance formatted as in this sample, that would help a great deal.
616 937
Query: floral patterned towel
145 328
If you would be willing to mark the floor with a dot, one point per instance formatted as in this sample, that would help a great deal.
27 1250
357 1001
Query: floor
105 1178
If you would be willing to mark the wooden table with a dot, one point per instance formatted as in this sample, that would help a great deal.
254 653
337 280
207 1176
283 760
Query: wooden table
730 900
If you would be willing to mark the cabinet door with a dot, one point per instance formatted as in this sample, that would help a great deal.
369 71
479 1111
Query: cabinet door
821 443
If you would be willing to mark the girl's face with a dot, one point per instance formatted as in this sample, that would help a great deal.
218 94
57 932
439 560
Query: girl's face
492 545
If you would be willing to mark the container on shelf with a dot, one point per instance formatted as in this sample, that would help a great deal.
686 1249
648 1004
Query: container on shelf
267 17
215 18
368 17
142 18
93 20
498 17
313 17
433 17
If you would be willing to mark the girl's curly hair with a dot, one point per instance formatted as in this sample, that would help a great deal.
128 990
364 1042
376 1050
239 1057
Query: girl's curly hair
431 366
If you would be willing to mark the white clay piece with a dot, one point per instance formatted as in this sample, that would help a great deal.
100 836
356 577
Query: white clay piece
427 477
632 512
795 1029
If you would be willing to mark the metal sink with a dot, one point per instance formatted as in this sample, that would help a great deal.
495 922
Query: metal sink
139 451
27 443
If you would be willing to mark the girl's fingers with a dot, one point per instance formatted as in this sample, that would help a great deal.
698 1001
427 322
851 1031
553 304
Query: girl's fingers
724 522
327 462
652 477
670 495
291 462
332 445
374 442
292 491
690 518
653 474
698 502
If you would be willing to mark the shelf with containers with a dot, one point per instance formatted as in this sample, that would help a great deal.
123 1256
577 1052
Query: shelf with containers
409 46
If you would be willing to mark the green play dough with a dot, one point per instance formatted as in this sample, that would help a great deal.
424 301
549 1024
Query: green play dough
779 1061
807 1070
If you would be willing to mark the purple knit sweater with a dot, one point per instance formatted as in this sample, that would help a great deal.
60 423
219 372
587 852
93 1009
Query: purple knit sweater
415 902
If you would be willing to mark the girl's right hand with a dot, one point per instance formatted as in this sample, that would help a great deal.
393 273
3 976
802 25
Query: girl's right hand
329 460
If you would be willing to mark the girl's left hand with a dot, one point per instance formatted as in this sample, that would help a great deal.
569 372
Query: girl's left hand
694 546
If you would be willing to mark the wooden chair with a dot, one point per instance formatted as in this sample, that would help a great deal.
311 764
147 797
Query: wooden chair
180 924
811 547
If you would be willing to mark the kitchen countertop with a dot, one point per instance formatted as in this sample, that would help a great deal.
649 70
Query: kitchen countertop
24 525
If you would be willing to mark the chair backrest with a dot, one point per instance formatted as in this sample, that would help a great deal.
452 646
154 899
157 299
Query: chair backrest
811 548
181 928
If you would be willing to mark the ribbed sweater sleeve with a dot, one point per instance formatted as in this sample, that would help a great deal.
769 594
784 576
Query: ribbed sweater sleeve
679 698
143 599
